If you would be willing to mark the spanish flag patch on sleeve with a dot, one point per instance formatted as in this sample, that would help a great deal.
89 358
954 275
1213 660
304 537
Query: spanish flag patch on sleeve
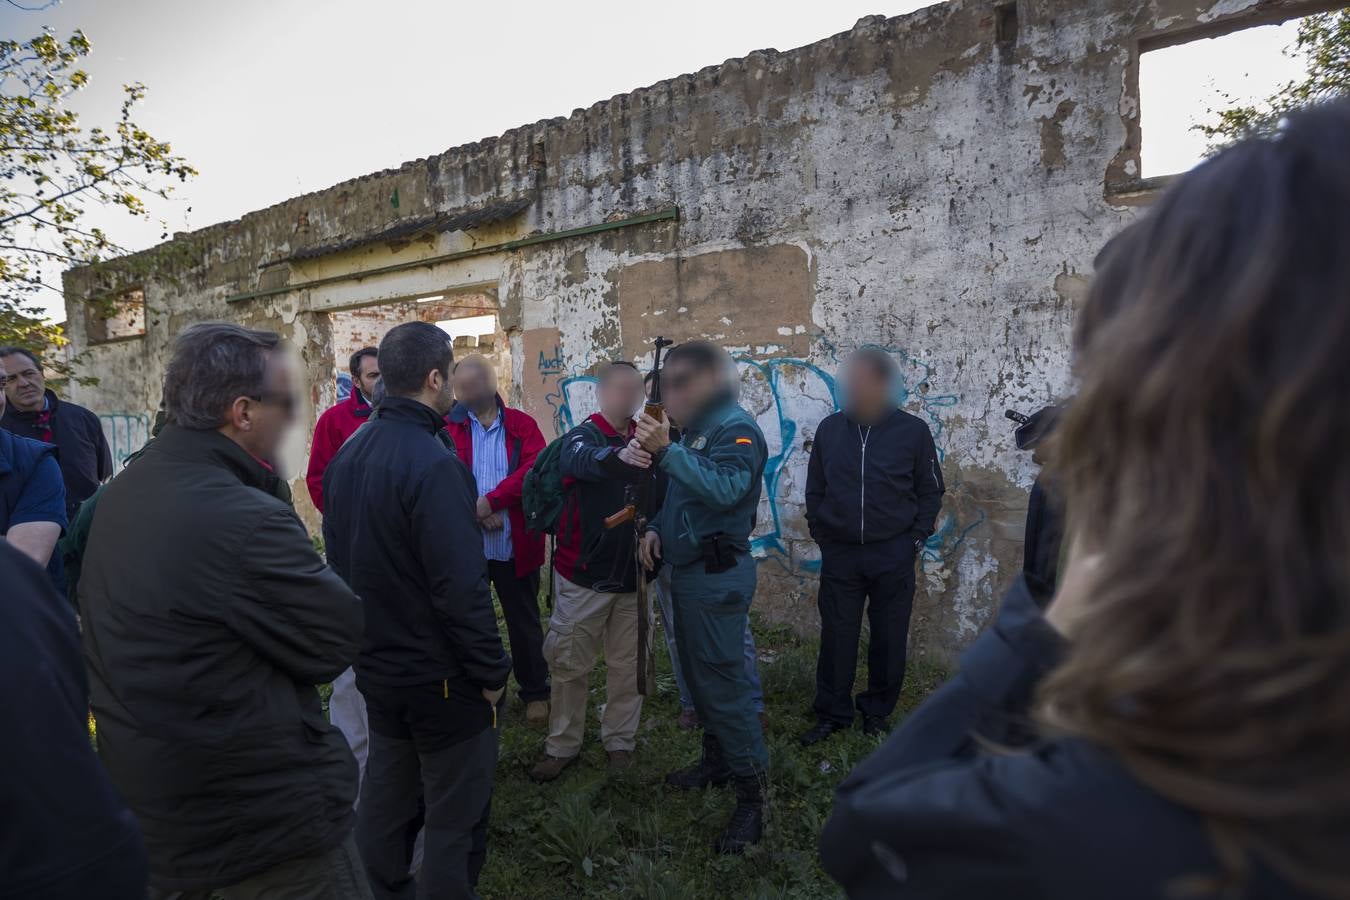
744 440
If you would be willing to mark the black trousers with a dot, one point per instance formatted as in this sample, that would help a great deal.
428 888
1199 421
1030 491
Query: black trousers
520 605
880 577
419 748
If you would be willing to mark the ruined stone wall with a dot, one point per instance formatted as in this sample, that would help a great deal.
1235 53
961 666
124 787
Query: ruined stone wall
936 184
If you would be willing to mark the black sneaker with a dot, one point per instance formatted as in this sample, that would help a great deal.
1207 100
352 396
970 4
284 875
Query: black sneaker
820 732
875 725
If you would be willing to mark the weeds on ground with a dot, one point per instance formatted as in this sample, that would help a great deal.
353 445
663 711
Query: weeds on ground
596 835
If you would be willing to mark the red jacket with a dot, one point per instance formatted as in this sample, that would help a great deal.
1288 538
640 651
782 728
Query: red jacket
524 441
334 427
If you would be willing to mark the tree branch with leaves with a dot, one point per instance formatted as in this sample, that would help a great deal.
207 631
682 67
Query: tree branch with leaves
54 169
1324 42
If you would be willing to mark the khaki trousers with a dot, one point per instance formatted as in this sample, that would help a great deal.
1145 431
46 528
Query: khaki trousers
583 622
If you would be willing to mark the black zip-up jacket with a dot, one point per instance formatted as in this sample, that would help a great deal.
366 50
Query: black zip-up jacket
82 450
588 553
872 484
399 526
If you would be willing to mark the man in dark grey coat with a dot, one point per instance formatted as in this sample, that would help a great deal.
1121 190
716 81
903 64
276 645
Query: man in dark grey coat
208 619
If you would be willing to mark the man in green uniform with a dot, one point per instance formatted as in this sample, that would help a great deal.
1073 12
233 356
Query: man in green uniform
703 533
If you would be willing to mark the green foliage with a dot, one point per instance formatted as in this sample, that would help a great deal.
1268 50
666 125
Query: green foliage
577 836
54 169
648 842
1324 42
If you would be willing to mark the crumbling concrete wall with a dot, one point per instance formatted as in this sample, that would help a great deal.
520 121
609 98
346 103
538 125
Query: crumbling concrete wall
936 184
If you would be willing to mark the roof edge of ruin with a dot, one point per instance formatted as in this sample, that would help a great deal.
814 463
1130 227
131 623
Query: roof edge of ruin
867 25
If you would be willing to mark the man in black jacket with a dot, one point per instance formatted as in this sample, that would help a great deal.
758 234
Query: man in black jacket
400 526
873 491
208 619
595 602
35 412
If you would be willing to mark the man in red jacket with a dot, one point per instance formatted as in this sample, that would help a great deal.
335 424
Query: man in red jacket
339 422
499 444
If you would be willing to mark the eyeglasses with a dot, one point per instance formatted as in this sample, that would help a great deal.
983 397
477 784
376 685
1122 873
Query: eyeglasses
32 375
287 402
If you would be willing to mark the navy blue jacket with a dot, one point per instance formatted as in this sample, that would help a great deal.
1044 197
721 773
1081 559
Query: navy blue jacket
399 526
873 484
66 831
31 490
932 815
86 461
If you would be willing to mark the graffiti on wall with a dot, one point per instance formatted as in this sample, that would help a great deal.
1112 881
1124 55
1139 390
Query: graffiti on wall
126 433
788 396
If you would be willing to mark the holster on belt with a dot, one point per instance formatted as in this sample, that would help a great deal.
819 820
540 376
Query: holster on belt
718 554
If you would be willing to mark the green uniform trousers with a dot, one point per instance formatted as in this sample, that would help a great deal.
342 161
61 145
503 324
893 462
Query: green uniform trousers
710 613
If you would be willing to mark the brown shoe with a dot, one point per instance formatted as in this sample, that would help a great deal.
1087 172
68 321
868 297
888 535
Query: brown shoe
620 760
550 767
536 712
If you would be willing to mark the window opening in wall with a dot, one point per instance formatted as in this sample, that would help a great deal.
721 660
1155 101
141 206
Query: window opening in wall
469 326
1005 23
1184 89
469 317
116 317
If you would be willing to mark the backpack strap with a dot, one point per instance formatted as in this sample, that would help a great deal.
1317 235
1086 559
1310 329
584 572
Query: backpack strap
569 494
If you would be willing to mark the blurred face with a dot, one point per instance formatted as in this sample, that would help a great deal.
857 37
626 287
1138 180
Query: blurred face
25 388
474 383
369 376
686 390
620 393
867 392
262 421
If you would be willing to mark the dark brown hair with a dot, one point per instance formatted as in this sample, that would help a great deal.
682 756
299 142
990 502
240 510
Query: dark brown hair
212 365
1206 458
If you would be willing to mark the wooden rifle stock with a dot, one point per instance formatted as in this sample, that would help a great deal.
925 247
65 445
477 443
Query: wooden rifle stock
622 517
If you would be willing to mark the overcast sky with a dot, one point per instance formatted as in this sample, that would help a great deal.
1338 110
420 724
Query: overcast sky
273 98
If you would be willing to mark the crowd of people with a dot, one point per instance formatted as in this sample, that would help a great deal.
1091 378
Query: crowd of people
1161 709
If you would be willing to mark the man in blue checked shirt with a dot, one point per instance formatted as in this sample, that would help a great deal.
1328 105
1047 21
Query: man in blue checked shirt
499 444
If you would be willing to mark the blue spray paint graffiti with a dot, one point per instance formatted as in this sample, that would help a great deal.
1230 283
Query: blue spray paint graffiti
126 433
788 392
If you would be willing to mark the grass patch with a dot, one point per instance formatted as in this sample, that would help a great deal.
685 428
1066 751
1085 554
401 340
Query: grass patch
592 835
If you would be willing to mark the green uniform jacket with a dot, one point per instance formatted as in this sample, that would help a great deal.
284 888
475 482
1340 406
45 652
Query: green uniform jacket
716 473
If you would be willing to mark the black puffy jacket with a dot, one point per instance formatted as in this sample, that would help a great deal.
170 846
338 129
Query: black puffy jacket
872 484
399 526
948 809
208 619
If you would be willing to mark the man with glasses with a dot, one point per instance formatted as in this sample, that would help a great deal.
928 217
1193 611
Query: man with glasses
32 498
34 411
208 619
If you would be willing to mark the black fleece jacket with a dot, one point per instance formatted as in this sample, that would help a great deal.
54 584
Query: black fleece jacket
873 484
399 527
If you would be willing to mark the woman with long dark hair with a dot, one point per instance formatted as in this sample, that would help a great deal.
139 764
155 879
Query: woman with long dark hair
1178 723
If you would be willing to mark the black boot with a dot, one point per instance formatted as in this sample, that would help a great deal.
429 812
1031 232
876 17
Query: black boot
746 825
710 769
